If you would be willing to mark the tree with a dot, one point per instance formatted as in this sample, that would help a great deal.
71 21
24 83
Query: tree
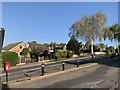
34 42
73 45
115 29
102 46
111 49
89 28
88 44
25 51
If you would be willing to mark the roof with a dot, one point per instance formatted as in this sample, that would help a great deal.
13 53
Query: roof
10 46
40 47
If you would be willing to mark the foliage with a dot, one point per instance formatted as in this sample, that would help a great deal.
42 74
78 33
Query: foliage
113 55
11 57
34 42
107 33
111 49
102 46
25 51
63 54
73 45
45 53
115 29
88 44
69 54
89 28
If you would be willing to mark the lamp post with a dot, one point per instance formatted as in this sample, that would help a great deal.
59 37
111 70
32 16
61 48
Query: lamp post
54 49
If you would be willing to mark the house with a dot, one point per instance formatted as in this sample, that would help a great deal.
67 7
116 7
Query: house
63 46
37 51
16 47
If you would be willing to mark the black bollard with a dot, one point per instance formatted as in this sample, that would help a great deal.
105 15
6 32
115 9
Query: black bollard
63 66
77 62
42 68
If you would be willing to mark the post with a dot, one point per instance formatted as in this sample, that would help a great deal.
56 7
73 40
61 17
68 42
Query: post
77 62
42 68
6 77
63 66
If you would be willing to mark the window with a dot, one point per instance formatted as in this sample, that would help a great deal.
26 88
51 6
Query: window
21 53
20 47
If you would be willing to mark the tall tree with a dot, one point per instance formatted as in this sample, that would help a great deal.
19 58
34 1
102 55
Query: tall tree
73 45
88 44
89 28
115 29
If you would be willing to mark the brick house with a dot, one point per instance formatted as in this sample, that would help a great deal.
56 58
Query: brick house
17 47
39 48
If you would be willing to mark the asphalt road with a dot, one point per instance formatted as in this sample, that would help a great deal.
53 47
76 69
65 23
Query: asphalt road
33 71
100 76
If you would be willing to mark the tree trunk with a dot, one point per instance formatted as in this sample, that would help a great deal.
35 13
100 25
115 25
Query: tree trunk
118 49
92 48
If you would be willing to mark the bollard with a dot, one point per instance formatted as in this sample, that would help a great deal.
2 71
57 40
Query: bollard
77 63
63 66
42 68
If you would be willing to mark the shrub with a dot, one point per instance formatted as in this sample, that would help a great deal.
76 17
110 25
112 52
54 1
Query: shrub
63 54
113 55
11 57
69 54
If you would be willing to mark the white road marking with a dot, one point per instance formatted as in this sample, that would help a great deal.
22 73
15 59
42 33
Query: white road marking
31 69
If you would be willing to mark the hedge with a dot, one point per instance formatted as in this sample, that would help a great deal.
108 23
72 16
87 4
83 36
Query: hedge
11 57
63 54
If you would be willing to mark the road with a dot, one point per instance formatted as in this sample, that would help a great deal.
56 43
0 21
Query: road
103 75
33 71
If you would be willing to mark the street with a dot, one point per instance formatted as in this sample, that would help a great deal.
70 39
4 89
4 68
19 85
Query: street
99 76
33 71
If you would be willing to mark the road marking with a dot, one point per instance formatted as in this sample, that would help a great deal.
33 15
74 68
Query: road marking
31 69
54 65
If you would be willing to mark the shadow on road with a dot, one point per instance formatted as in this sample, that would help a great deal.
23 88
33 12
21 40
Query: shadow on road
113 62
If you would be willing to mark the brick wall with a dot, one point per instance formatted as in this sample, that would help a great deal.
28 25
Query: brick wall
19 48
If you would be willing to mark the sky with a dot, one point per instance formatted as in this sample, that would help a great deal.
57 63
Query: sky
47 22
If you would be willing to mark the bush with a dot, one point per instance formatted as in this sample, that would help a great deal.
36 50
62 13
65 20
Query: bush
63 54
113 55
69 54
11 57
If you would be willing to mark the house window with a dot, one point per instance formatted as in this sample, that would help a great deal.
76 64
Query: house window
20 47
21 53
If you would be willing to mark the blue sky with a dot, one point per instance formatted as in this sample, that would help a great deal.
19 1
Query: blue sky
47 22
